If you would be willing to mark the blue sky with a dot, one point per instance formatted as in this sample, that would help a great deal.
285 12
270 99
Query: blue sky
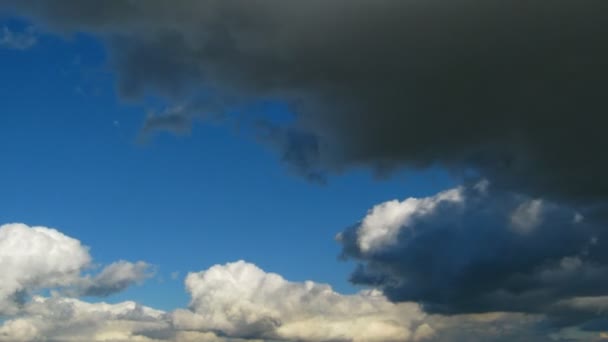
71 159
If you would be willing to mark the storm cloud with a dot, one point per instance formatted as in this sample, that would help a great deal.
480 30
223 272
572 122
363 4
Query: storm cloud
476 249
513 89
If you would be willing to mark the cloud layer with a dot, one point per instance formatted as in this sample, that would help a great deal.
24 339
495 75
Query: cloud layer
240 302
236 300
68 319
513 89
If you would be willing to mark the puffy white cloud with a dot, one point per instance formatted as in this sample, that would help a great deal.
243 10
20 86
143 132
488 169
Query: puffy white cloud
241 300
238 302
35 258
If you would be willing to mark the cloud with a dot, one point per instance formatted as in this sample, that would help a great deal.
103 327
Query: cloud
513 89
241 300
10 39
232 301
458 252
114 278
67 319
37 258
235 302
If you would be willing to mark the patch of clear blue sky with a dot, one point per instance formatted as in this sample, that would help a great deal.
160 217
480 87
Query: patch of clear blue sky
69 159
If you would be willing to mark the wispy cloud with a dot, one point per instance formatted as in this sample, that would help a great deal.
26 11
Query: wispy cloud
18 40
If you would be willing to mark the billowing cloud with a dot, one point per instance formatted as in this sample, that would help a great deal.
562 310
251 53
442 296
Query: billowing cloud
36 258
241 300
477 249
514 89
235 302
238 302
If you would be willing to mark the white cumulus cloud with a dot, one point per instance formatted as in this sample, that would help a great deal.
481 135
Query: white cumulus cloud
239 299
36 258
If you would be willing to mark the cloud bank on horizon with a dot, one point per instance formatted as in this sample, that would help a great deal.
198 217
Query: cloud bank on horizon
233 302
511 91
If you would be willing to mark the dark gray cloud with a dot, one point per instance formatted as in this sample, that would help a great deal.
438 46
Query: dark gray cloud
515 89
475 249
114 278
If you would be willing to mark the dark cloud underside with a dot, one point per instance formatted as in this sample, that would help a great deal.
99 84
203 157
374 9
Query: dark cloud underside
515 89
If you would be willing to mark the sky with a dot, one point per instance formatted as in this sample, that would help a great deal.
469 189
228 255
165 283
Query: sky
73 160
214 171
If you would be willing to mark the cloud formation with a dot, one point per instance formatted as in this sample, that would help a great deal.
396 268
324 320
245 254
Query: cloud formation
477 249
36 258
513 89
241 300
235 302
